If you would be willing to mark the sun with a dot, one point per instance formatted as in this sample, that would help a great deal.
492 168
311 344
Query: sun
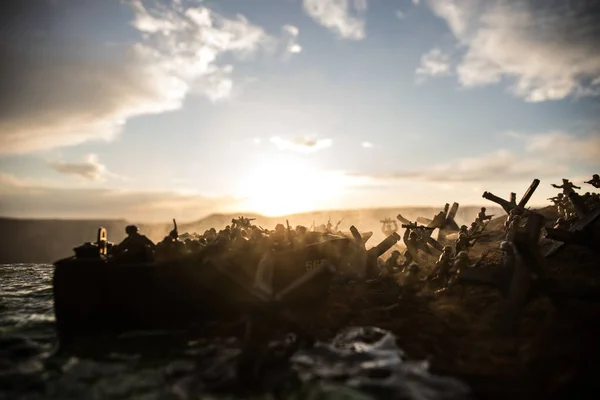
287 185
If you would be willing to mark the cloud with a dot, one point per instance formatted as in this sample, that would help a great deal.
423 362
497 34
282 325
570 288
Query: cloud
400 14
367 145
65 90
545 155
500 165
27 199
305 144
560 147
344 17
433 63
90 169
291 33
547 50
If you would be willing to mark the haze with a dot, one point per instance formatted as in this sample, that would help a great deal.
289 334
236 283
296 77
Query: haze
173 108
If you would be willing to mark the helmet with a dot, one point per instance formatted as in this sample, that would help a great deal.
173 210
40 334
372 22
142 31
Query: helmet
396 253
447 249
463 227
413 235
406 253
473 223
560 195
483 208
131 229
505 246
596 176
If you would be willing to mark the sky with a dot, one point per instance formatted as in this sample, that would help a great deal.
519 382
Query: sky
149 110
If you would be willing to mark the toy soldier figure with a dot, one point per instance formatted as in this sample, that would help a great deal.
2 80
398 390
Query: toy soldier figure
463 243
412 243
508 255
559 202
443 266
513 227
511 215
481 217
461 261
408 260
410 283
389 226
566 186
391 264
595 181
473 229
463 229
136 247
329 226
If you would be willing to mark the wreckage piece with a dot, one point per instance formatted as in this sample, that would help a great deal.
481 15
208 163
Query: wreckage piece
97 249
584 232
365 264
512 204
443 221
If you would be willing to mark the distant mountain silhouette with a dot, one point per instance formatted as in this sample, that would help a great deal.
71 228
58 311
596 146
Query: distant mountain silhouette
47 240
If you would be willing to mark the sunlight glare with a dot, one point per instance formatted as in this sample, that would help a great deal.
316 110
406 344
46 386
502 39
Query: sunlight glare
286 185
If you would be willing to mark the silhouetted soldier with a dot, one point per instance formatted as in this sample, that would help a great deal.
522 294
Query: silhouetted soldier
391 264
513 227
473 229
508 255
411 284
566 186
481 217
463 229
135 247
443 266
463 243
595 181
408 260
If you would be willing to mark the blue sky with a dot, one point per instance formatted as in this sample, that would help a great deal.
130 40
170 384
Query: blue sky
150 109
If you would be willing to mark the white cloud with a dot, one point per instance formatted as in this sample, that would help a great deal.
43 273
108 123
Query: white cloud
560 147
434 63
548 155
500 165
305 144
66 94
291 37
344 17
90 169
367 145
549 50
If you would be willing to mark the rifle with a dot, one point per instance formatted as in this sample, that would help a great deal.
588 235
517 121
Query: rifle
338 225
174 231
415 226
